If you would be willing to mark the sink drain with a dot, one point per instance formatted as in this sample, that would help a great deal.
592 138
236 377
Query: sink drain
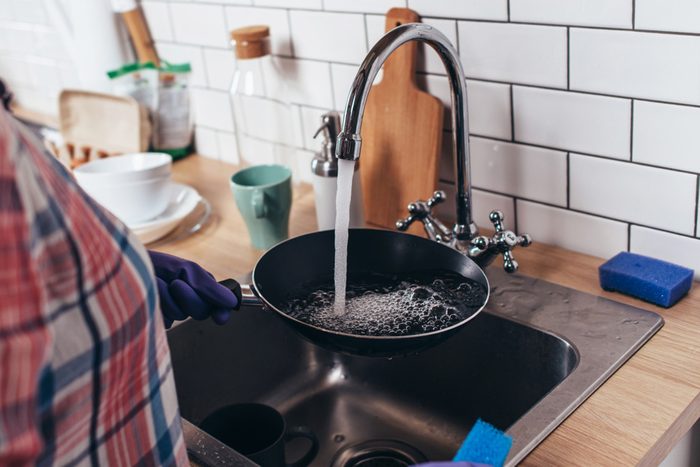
378 453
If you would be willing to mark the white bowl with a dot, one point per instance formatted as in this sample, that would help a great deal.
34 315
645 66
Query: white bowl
134 187
126 168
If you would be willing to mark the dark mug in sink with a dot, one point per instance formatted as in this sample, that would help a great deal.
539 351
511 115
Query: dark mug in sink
259 432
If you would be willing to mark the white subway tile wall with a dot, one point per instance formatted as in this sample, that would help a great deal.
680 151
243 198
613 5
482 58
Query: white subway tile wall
198 24
363 6
489 109
572 230
662 15
483 201
466 9
206 141
667 135
567 120
514 52
667 246
663 67
338 37
228 150
341 79
212 109
584 113
306 4
523 171
600 13
306 82
219 65
158 19
643 195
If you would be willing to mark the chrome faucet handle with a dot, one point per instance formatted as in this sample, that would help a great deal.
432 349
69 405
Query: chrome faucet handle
503 241
438 197
423 211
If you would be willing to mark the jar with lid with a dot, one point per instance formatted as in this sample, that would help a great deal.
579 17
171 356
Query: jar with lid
263 118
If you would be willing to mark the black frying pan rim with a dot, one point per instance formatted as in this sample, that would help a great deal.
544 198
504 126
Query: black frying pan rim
284 315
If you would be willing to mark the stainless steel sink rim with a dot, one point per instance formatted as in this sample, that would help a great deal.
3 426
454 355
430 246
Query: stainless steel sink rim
542 417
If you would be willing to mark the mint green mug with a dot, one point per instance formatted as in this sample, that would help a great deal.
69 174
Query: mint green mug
263 194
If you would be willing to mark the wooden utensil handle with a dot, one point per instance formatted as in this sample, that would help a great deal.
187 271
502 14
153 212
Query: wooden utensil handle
401 66
140 36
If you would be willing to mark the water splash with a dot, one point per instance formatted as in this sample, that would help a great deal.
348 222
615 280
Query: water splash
387 305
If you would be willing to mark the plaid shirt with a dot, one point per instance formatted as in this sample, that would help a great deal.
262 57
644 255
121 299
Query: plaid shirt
85 374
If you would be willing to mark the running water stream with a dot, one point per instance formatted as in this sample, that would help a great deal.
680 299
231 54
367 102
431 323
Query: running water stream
346 169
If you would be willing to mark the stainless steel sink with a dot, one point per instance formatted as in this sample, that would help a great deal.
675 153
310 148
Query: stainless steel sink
524 365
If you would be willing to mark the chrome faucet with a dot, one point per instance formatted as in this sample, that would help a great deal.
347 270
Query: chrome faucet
464 236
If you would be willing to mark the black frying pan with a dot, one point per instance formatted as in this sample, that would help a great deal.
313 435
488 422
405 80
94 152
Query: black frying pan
309 258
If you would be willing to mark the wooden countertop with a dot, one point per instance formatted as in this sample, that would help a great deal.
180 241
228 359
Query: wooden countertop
635 418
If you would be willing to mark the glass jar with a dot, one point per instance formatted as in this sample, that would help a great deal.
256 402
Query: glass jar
263 118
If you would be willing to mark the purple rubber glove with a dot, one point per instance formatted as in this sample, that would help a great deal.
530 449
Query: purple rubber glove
451 464
185 289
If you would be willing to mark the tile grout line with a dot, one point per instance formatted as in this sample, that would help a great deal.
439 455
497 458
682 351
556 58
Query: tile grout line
364 23
330 77
512 115
457 42
629 236
632 130
697 200
171 23
288 14
568 58
301 125
568 180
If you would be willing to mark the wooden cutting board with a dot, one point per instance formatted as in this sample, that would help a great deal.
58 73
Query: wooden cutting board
401 136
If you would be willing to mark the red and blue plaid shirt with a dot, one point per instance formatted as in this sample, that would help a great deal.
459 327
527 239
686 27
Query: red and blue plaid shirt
85 374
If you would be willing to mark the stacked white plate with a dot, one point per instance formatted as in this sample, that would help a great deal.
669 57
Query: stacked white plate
183 200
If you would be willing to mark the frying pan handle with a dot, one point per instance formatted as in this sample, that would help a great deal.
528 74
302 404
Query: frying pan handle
245 293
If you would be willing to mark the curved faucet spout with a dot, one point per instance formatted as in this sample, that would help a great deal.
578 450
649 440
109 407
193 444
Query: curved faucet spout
349 142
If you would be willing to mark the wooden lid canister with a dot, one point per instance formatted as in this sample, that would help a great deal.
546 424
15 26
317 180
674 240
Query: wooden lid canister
251 41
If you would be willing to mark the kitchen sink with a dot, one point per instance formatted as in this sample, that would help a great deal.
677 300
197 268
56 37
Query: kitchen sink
536 353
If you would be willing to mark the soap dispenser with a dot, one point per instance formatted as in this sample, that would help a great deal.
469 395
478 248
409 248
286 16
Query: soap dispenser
324 168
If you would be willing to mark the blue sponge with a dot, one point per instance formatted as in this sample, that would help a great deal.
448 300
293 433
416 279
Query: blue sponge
485 444
647 278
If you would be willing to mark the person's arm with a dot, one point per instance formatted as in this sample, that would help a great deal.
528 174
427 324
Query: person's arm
24 337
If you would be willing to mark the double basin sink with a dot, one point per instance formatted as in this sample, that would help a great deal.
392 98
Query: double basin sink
535 354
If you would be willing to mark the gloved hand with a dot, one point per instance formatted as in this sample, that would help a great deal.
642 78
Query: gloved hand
185 289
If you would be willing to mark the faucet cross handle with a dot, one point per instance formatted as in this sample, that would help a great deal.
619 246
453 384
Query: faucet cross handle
503 241
423 211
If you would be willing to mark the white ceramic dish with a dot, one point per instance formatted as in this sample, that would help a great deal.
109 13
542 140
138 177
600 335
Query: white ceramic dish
183 200
135 187
127 167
